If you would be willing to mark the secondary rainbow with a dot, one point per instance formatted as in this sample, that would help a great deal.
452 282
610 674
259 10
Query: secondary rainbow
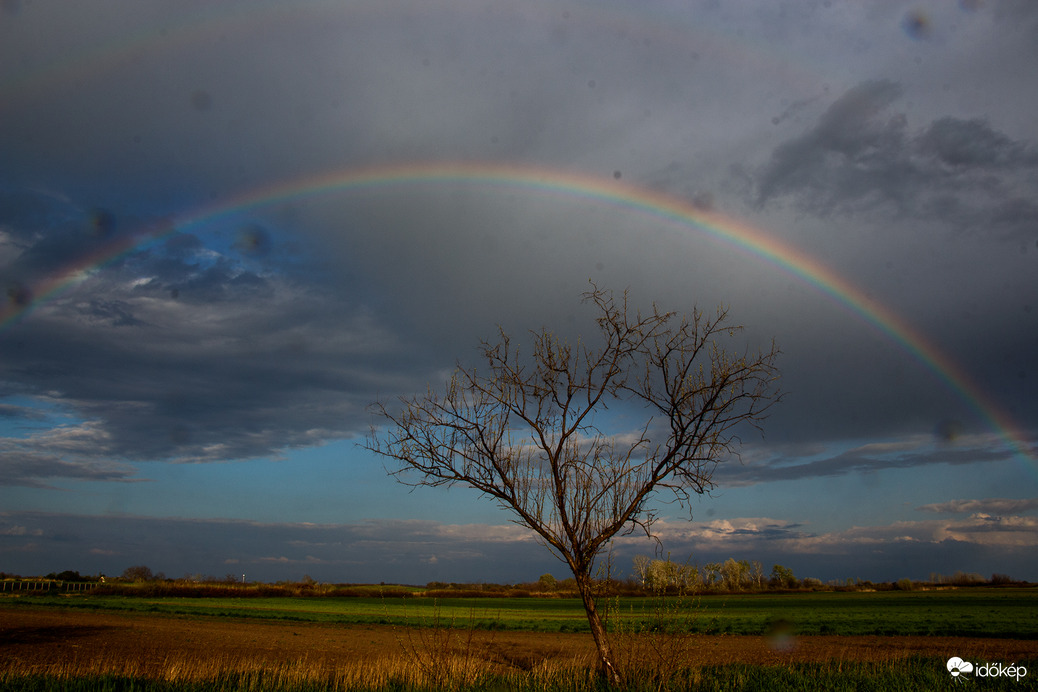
567 185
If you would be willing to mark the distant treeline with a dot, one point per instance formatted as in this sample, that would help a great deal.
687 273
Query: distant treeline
651 577
733 576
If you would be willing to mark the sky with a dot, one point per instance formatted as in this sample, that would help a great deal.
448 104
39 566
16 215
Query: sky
227 228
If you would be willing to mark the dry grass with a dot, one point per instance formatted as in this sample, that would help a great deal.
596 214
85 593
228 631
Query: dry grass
50 650
436 670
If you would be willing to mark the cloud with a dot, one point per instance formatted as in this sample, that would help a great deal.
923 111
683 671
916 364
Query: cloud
735 535
419 551
979 529
370 551
12 411
998 506
20 531
22 463
861 158
185 353
762 535
845 140
909 452
961 144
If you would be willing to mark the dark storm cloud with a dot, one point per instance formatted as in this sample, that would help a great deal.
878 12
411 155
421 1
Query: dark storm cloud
46 233
961 144
35 469
180 352
373 551
869 458
860 157
12 411
248 386
847 131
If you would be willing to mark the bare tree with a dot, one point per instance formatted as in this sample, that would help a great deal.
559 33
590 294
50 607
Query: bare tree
525 432
641 565
757 574
138 573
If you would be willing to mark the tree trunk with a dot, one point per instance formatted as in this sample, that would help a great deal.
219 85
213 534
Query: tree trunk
598 630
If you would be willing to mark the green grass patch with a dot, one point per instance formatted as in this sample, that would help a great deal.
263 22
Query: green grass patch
1009 613
976 612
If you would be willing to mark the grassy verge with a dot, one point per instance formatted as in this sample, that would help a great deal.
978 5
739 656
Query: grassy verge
906 674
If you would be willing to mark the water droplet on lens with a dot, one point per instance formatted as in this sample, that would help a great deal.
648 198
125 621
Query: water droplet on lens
948 430
253 240
703 201
916 25
102 222
19 295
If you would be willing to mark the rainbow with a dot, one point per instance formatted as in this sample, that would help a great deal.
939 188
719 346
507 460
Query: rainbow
606 191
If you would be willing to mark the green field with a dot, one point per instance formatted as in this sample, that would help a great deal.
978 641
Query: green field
976 612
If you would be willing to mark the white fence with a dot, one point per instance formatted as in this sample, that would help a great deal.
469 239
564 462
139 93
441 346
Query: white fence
44 586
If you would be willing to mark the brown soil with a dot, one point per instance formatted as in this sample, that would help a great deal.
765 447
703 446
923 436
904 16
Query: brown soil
37 639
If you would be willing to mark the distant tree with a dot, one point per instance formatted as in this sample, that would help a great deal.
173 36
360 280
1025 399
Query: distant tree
547 583
641 567
961 578
757 574
138 573
663 575
782 577
711 573
734 574
525 432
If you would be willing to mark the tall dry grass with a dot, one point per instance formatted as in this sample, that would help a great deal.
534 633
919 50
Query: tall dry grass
438 671
400 673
